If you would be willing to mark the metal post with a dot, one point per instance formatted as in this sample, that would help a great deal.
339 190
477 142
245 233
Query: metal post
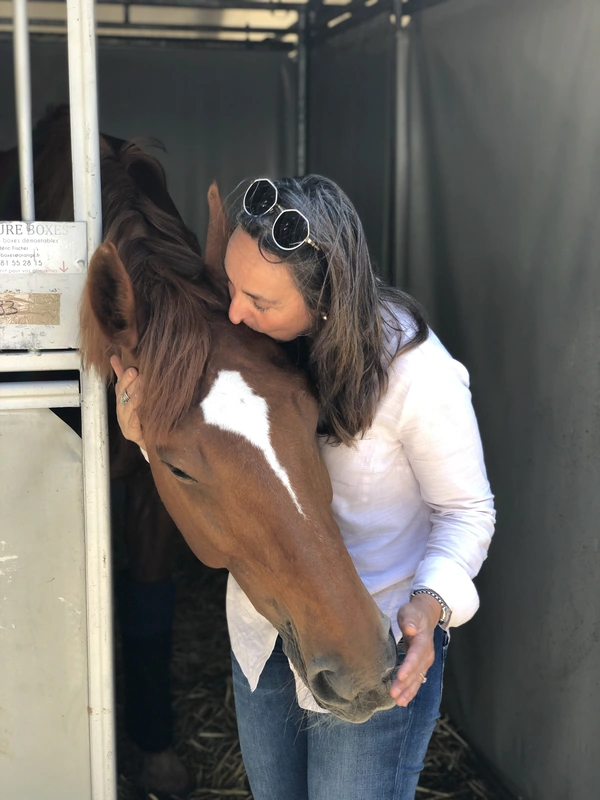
23 98
88 207
302 101
399 267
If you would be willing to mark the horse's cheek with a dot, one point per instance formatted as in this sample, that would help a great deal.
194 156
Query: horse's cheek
191 524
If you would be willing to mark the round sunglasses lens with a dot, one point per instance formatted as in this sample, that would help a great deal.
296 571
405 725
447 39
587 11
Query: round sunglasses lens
260 198
290 230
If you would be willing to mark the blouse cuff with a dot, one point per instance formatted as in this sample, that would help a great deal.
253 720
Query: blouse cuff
452 583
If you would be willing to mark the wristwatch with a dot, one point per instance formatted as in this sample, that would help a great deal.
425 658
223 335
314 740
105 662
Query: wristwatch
446 610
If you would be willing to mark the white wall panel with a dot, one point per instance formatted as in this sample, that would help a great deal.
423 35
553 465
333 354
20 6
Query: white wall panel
44 740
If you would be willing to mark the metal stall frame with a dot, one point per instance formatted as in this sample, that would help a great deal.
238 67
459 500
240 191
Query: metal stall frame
91 396
316 22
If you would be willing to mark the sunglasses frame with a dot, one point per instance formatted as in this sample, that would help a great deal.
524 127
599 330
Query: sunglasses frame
282 211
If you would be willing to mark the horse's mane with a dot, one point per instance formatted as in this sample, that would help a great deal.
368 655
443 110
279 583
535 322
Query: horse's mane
175 299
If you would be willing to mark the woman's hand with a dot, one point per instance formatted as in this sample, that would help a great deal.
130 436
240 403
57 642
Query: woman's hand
417 620
129 381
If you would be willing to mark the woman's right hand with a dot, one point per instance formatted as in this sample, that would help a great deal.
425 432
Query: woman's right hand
128 380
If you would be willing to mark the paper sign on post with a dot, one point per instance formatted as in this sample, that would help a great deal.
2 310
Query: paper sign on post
42 247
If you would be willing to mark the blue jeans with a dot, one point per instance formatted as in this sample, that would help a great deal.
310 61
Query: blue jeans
293 754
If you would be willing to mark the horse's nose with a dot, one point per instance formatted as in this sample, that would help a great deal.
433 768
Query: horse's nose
329 681
330 678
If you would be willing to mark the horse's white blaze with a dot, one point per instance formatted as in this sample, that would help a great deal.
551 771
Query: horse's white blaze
232 406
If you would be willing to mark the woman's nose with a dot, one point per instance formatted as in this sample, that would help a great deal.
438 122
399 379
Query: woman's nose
236 311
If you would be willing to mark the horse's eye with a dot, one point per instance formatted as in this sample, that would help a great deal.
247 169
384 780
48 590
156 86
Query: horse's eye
181 475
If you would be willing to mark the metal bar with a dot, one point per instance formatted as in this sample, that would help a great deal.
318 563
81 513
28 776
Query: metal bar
201 43
39 394
38 361
412 7
215 4
325 13
85 137
98 587
158 26
302 100
321 32
75 56
23 98
268 45
88 207
109 26
400 201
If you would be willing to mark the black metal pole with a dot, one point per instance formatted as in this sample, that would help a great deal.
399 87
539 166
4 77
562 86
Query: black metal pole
302 98
399 267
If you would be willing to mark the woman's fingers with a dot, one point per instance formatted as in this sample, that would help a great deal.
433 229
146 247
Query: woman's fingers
408 693
417 633
128 391
117 365
126 378
404 688
409 679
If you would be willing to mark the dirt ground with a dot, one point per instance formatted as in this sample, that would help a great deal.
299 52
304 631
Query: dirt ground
206 729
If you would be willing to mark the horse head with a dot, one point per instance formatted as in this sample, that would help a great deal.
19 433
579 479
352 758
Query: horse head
230 427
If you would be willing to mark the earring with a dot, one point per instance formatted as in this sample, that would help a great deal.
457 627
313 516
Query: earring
324 317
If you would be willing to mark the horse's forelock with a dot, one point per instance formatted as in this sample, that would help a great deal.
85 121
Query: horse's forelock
175 299
172 354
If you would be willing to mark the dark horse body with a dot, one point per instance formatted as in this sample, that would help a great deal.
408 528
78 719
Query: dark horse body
230 427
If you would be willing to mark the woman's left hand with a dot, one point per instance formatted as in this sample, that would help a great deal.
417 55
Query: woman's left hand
418 621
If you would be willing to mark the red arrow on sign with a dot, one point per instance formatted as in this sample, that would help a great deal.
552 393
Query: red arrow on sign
63 268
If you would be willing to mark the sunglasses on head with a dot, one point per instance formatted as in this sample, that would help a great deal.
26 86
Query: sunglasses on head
291 228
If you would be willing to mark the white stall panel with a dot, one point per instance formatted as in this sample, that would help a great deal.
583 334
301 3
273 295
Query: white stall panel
44 736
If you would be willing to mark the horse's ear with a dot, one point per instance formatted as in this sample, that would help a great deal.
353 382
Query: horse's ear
110 297
217 234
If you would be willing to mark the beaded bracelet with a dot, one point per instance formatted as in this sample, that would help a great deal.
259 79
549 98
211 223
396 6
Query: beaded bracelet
446 610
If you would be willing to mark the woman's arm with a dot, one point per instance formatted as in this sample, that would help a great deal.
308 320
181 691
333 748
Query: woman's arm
441 440
439 433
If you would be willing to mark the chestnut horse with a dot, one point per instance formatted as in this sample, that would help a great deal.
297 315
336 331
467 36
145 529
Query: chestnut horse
230 428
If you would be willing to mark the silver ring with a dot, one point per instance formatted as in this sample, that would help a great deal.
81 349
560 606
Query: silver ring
124 398
423 678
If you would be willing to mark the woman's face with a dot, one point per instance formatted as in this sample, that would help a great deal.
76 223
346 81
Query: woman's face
263 294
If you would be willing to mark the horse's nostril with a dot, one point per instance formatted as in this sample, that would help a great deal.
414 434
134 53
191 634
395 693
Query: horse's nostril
321 685
330 680
392 652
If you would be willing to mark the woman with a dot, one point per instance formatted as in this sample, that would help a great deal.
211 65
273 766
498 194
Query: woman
410 493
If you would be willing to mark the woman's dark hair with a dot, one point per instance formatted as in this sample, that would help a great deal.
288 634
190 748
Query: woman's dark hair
350 350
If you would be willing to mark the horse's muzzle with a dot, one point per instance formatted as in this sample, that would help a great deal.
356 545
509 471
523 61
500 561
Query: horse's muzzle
354 695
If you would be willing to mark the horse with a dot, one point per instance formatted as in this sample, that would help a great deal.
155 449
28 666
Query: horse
230 426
